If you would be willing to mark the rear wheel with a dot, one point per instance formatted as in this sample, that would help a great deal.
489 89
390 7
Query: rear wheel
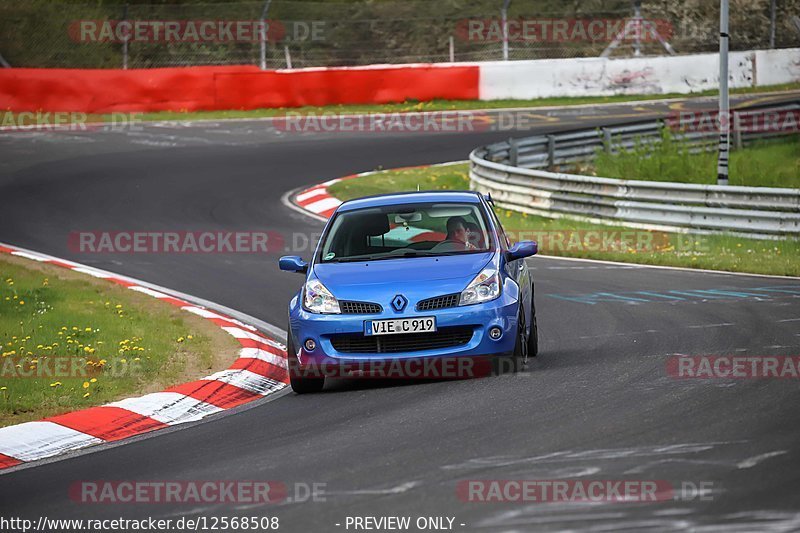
533 339
300 384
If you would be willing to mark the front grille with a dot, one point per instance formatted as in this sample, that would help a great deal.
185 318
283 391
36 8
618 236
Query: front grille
360 308
405 342
440 302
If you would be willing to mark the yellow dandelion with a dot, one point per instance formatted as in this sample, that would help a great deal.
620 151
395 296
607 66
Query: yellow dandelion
88 330
85 384
93 380
22 302
180 339
87 395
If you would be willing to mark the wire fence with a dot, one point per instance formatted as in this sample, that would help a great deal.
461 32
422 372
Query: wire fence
298 33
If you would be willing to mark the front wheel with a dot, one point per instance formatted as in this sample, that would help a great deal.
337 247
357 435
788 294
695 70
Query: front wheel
514 362
300 384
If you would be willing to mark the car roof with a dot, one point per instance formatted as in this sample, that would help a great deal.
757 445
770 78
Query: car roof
416 197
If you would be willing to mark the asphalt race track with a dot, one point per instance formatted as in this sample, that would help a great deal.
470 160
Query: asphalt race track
598 403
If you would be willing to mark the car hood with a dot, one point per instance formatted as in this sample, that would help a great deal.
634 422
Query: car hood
380 281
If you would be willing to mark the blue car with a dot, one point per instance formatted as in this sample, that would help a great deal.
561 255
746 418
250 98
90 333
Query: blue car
401 282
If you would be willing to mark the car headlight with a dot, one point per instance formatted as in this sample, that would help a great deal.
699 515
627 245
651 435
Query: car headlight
318 299
485 287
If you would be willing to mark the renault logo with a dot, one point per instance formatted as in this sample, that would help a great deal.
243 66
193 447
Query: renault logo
399 303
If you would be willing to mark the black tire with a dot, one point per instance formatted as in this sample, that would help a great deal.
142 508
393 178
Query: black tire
513 363
533 336
533 339
300 384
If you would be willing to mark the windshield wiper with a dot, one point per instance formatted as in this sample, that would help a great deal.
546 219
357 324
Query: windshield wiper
355 259
404 255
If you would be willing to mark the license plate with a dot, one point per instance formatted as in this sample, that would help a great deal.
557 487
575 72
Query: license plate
394 326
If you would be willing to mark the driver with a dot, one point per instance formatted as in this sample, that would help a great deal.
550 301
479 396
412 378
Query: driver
457 232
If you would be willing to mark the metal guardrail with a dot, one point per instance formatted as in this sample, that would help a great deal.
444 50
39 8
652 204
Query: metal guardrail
511 172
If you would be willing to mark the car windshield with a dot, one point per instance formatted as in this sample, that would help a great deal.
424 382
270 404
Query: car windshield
407 230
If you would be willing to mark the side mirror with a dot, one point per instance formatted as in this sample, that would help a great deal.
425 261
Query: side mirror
293 263
521 250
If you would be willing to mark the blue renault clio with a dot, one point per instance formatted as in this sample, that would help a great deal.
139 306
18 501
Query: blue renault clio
421 278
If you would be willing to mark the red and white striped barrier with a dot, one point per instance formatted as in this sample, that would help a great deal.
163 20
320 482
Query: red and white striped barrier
247 87
259 371
318 201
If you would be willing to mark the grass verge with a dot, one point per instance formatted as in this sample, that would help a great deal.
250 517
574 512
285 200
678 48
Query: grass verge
568 238
434 105
769 164
71 342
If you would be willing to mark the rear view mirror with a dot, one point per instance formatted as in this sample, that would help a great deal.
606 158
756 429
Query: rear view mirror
411 217
522 249
293 263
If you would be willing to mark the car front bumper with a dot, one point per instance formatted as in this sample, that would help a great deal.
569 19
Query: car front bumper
321 329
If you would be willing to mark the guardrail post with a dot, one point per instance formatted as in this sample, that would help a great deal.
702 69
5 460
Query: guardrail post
606 139
513 152
125 40
551 151
262 37
737 139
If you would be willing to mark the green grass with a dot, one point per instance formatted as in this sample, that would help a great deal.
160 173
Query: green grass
434 105
772 164
69 342
568 238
